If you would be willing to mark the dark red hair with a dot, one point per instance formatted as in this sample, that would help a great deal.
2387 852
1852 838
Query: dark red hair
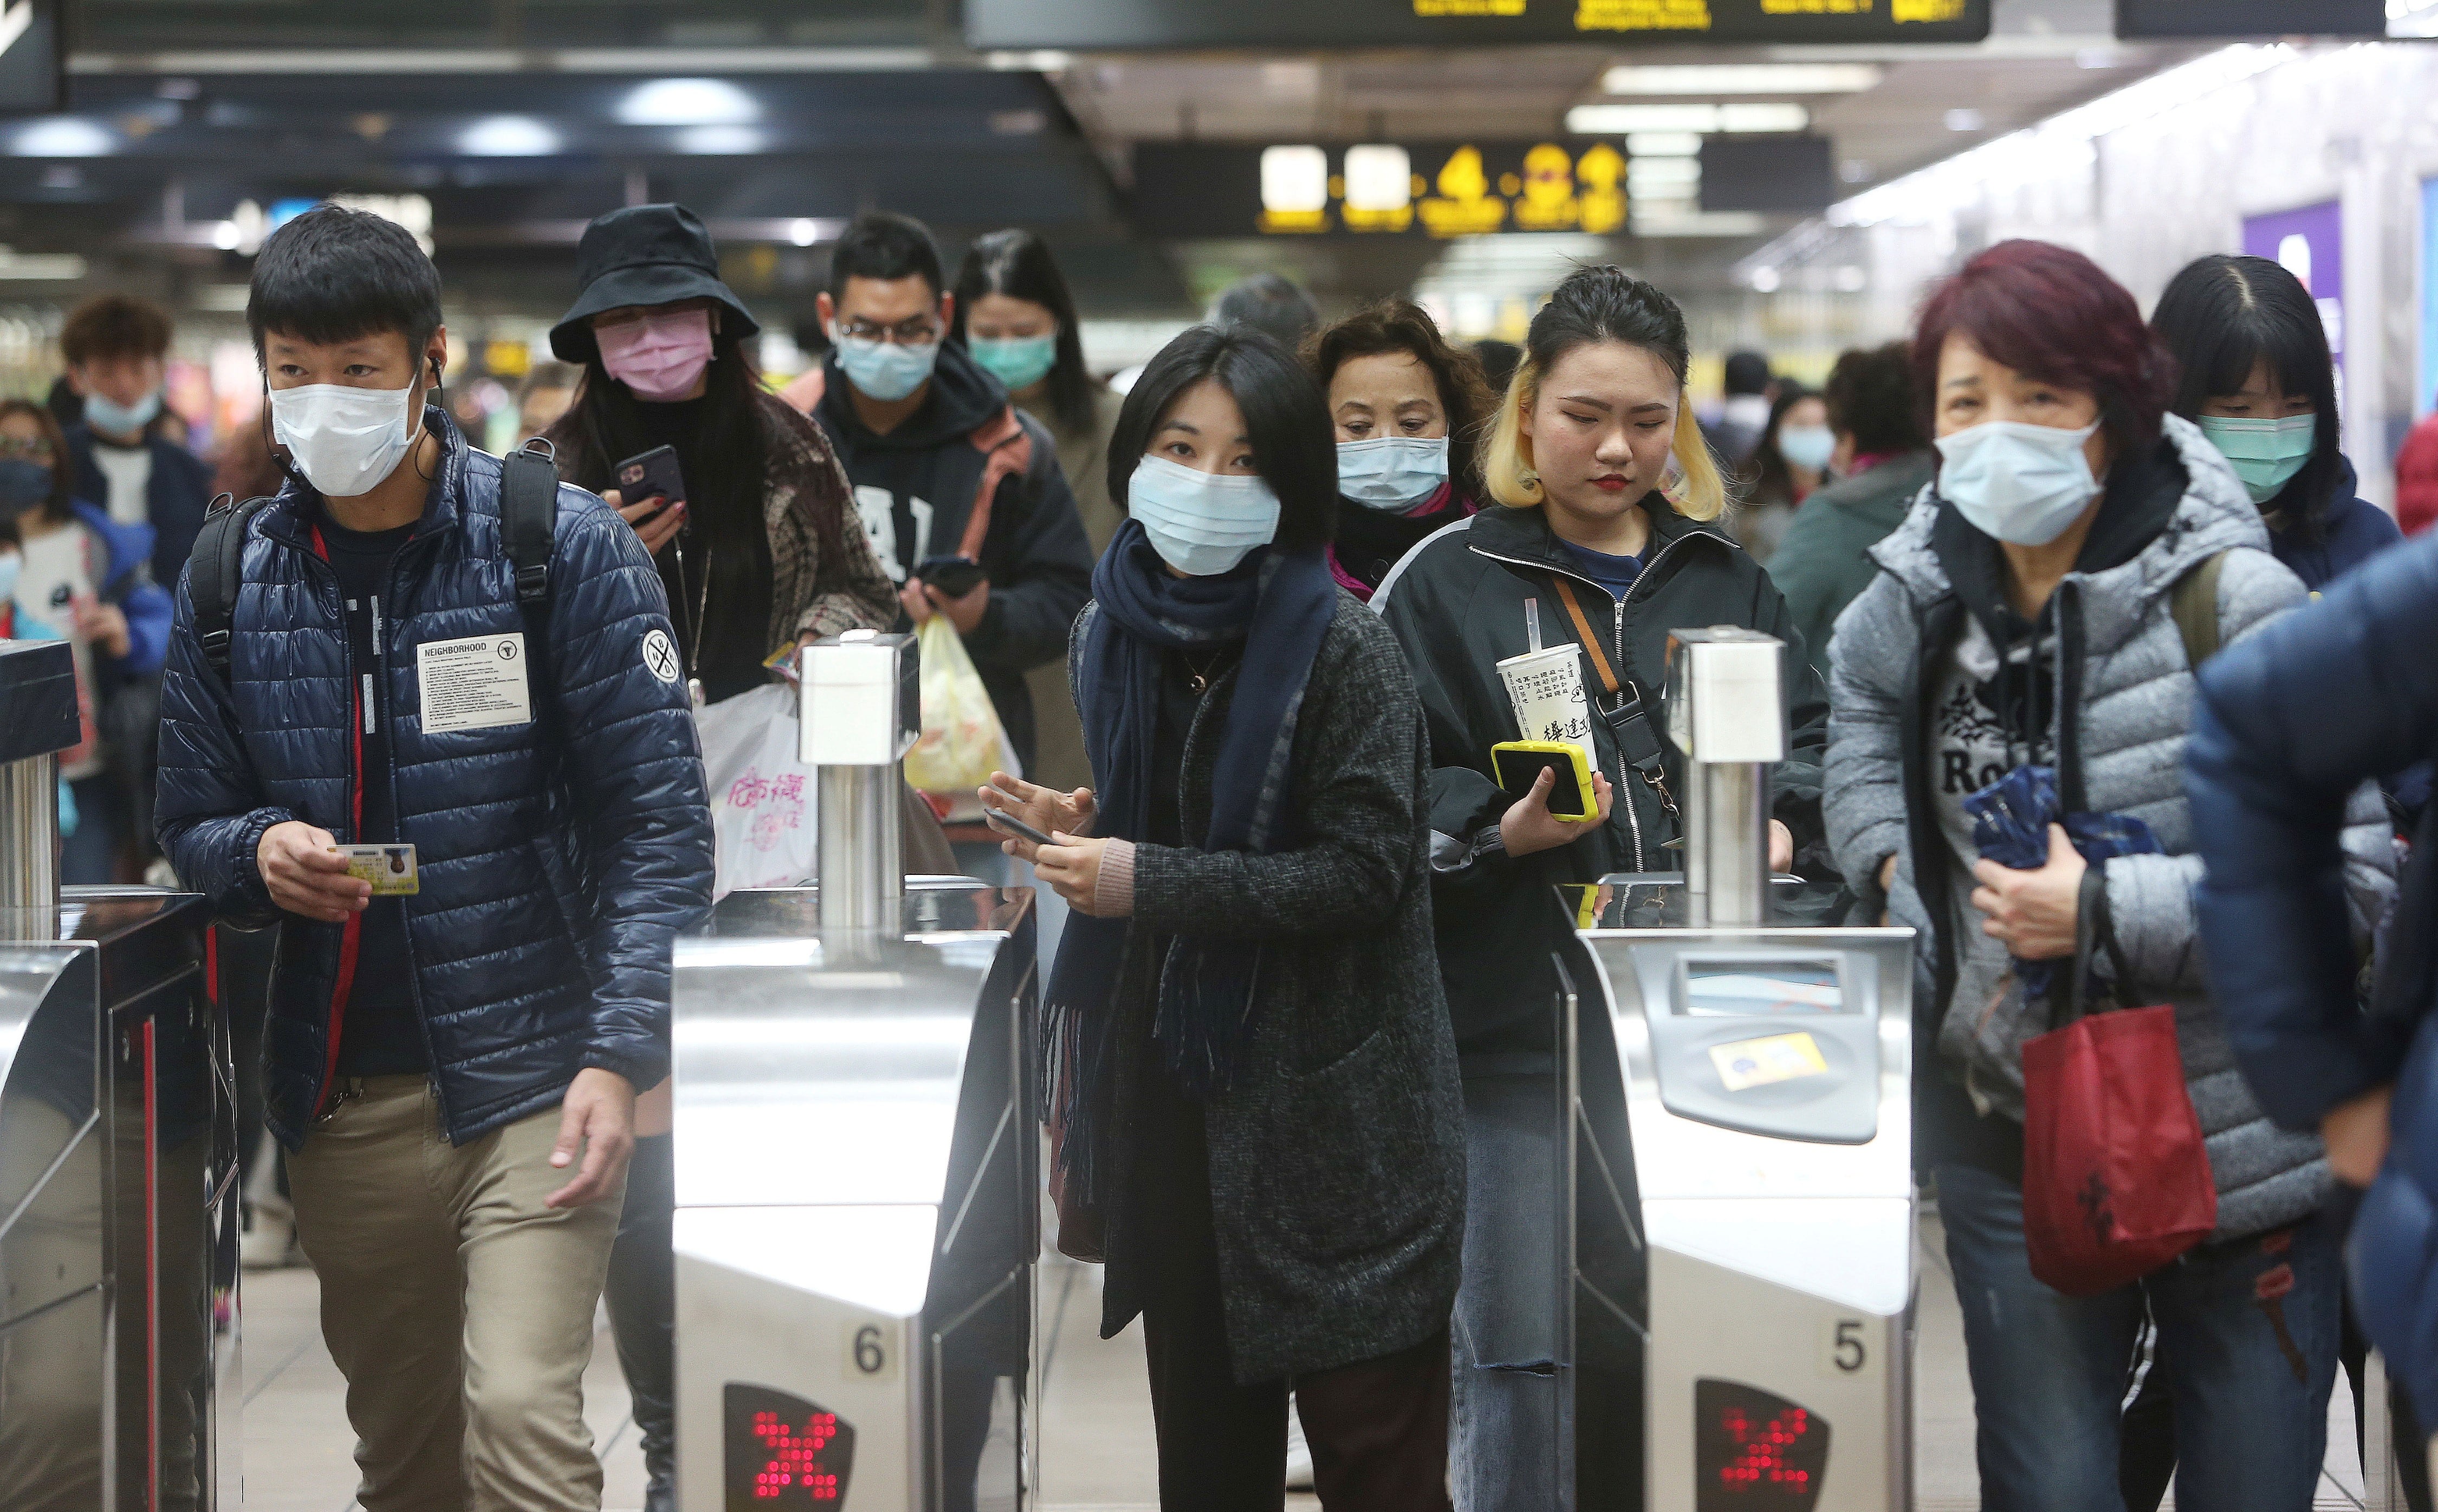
2049 313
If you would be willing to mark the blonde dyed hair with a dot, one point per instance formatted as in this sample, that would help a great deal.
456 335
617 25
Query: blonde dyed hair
1695 488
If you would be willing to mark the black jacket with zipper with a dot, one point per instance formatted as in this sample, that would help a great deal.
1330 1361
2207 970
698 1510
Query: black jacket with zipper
1457 604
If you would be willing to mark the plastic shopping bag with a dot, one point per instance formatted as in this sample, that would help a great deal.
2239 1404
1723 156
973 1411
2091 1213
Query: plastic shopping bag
761 795
963 740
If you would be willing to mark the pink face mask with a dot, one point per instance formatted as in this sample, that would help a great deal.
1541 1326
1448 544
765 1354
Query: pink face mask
659 357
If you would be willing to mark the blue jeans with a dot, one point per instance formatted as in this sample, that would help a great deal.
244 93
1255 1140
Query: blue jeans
1506 1437
2249 1355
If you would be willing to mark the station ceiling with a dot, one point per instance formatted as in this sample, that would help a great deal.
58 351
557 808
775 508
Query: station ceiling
516 120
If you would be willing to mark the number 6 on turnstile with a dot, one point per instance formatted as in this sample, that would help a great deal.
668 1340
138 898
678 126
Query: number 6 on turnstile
866 1350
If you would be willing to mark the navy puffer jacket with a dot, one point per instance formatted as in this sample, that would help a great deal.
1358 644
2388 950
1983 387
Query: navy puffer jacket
2288 721
559 857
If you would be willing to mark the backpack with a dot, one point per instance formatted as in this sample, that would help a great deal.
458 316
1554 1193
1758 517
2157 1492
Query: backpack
2193 603
528 514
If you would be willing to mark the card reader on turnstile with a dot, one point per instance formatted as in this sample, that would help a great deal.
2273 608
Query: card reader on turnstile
1765 1072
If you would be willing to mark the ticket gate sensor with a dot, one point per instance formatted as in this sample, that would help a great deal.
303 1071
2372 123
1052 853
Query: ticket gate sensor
1765 1072
118 1207
858 1173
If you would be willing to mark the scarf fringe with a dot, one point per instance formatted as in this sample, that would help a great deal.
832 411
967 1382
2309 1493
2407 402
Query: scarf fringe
1206 1001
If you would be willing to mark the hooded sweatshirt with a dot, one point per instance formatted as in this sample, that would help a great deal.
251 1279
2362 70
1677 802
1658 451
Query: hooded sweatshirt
915 490
2103 685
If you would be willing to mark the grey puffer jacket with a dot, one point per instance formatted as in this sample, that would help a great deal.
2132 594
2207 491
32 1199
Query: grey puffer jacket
2123 711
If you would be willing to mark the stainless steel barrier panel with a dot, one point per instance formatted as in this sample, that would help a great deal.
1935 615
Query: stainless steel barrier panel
118 1316
1766 1077
857 1205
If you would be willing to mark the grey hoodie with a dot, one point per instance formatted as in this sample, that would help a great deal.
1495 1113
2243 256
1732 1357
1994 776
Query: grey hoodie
2133 706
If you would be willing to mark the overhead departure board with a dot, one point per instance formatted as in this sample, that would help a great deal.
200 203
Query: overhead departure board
2250 18
1143 24
1194 190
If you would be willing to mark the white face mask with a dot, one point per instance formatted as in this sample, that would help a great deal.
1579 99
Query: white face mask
346 440
1201 523
2018 481
1392 473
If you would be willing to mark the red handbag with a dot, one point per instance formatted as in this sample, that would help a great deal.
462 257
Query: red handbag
2117 1180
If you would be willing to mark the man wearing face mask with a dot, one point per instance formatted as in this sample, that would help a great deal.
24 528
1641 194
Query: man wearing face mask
944 466
452 1071
117 346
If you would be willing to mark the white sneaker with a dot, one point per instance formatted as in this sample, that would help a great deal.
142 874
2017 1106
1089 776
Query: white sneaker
1299 1452
270 1243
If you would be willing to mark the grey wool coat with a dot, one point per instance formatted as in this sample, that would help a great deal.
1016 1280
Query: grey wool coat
2126 709
1337 1150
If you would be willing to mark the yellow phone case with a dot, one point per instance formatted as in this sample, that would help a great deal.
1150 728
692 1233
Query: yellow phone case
1514 763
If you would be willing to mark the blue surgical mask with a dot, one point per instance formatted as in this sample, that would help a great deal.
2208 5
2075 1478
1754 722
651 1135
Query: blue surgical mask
1201 523
111 417
1806 446
2018 481
1394 474
22 486
1018 362
2265 454
11 563
886 370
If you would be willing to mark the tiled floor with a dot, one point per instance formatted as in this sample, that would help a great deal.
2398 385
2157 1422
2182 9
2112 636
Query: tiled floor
1096 1421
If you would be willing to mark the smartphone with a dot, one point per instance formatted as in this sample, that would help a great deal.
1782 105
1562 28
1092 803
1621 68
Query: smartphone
1013 825
954 576
652 474
1517 763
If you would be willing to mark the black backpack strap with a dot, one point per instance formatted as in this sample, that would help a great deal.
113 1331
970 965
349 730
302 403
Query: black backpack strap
215 569
528 517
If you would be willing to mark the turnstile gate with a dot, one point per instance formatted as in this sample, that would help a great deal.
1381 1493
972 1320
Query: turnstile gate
118 1221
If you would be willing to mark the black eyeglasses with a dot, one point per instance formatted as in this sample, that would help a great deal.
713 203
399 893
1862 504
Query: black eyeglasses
914 331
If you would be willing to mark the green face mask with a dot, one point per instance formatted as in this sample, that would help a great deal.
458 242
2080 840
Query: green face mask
1018 362
2266 454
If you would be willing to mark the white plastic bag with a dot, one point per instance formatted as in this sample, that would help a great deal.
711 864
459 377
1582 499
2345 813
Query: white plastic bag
963 740
761 795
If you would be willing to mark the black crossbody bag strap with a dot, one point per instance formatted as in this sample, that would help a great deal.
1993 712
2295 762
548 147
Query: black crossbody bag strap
1623 708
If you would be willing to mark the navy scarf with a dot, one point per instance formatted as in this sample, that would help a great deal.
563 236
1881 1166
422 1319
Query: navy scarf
1279 605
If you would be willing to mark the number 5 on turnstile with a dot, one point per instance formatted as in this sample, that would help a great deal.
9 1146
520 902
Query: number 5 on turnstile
1846 1352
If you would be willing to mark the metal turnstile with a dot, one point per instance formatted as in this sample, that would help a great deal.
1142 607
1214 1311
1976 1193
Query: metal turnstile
857 1149
119 1208
1743 1183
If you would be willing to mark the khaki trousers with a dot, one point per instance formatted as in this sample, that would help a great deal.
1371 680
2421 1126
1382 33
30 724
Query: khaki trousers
458 1307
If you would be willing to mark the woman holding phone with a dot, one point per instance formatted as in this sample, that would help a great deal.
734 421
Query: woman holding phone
1605 522
765 549
759 548
1252 1082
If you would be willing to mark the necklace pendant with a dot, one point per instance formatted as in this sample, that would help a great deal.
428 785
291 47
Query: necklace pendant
694 692
1201 683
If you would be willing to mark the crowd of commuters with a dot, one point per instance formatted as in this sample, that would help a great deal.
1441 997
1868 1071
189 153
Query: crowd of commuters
1242 629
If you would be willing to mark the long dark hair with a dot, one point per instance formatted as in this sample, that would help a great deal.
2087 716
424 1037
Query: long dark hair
60 506
1769 475
2222 315
1402 325
1294 448
1017 263
725 459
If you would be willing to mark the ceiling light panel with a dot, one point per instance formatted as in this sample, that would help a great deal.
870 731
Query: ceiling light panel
1616 120
688 102
508 136
1741 78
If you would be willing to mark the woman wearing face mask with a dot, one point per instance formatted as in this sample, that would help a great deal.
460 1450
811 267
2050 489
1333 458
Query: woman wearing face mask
2027 611
1408 407
1254 1091
1791 462
1016 317
80 573
1606 526
766 550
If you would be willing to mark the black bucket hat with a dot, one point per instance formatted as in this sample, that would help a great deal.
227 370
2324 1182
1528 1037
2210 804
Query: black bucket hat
644 254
